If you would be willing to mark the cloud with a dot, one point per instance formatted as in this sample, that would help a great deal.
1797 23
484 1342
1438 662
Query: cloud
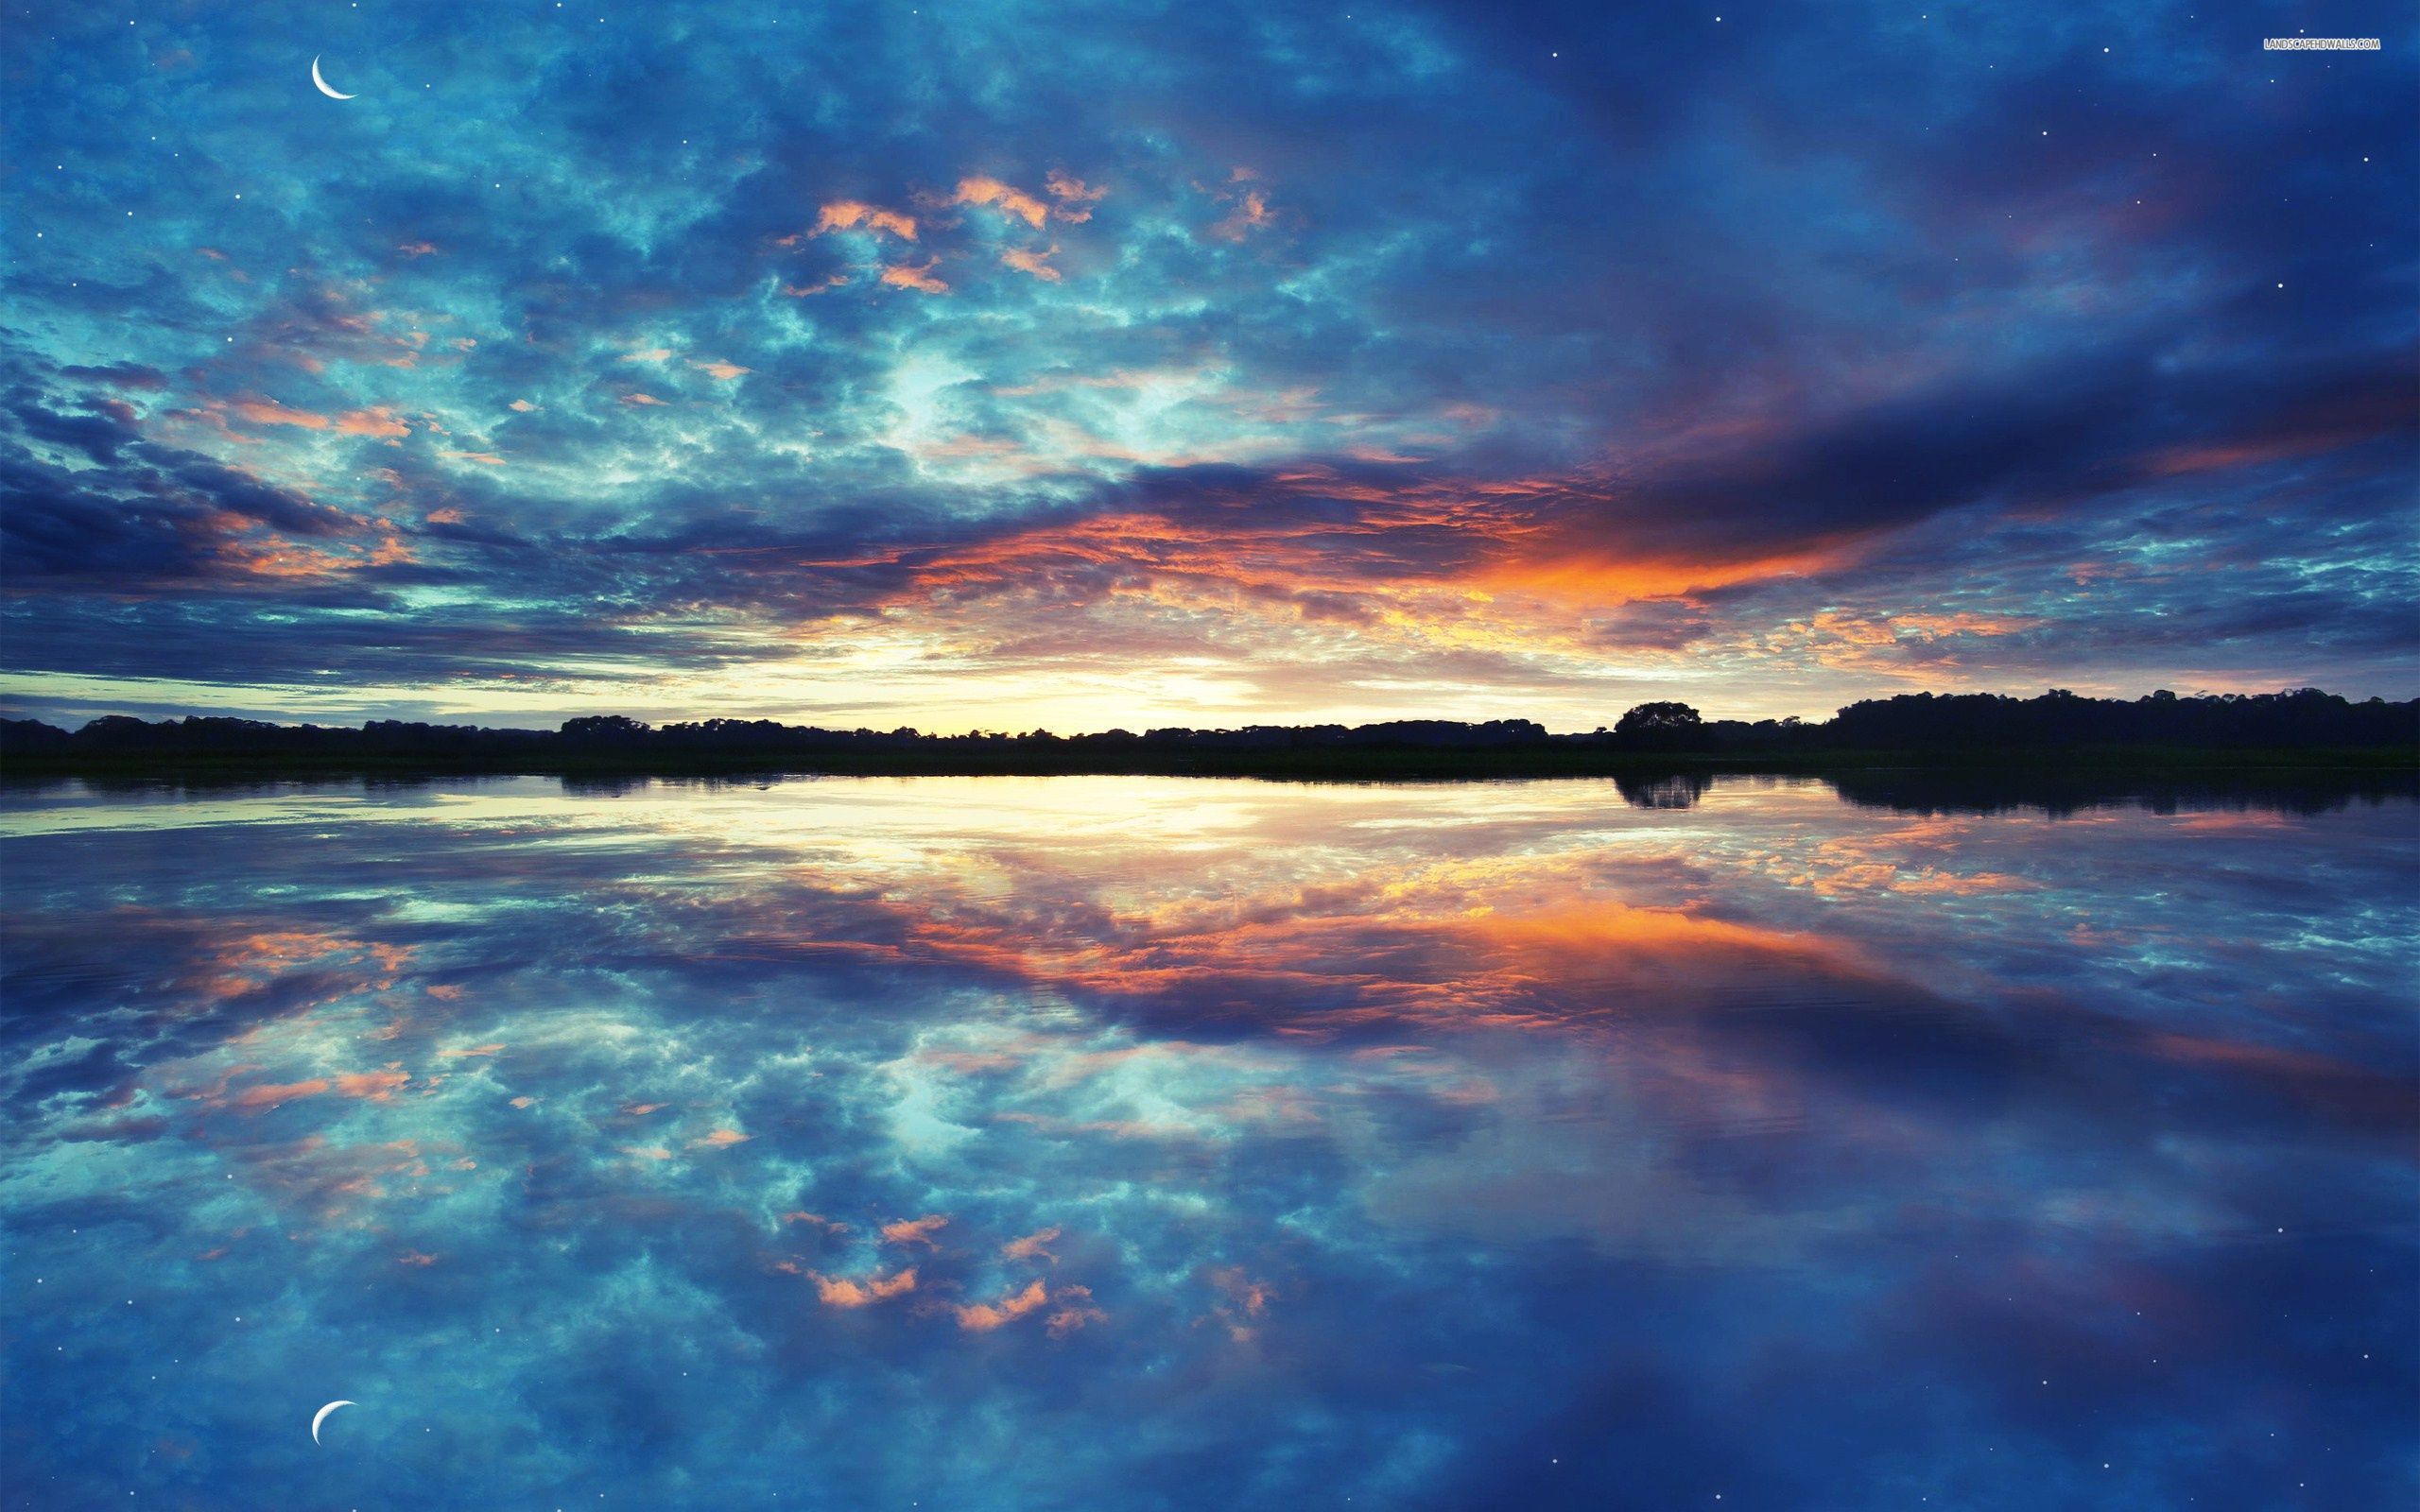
118 375
374 1086
841 1291
1005 197
912 276
1250 213
1360 1231
268 412
1026 261
982 1317
1599 389
1072 1309
378 421
915 1230
847 215
1076 198
1032 1245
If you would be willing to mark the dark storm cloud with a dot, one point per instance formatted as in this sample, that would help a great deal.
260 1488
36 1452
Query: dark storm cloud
2054 438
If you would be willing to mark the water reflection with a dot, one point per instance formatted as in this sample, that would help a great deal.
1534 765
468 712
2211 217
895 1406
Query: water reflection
1147 1142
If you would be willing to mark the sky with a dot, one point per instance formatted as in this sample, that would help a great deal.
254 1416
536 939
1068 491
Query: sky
1075 366
1038 1145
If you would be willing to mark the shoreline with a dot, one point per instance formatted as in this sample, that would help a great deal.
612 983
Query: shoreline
2038 764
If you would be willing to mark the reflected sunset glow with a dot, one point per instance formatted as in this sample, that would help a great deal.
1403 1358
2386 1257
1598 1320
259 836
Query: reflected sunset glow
1076 1142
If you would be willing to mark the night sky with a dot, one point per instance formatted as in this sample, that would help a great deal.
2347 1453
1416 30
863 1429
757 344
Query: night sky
1065 365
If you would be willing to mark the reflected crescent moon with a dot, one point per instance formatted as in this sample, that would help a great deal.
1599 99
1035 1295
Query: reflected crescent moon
323 83
321 1415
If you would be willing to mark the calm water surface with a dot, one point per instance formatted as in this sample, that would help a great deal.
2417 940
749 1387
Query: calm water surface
1152 1143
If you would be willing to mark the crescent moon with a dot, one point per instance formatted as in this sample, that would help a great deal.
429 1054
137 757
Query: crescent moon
321 1415
323 83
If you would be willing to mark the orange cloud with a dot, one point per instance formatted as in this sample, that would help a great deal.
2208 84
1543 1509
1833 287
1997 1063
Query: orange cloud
724 371
724 1139
982 1317
277 1094
839 1290
907 276
1838 638
1599 579
1074 197
1252 213
1032 261
1247 1303
370 1086
981 190
1032 1245
268 412
1249 1295
915 1230
1075 1310
470 1051
1559 940
416 249
847 215
637 398
913 277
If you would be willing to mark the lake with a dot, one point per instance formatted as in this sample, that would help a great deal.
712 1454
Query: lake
1173 1143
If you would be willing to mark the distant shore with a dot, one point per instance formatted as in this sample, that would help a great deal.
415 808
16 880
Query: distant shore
1363 763
2046 737
2052 782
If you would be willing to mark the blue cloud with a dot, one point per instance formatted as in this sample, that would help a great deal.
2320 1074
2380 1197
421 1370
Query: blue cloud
1777 319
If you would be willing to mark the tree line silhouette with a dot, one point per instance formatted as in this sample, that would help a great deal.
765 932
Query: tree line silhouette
2304 724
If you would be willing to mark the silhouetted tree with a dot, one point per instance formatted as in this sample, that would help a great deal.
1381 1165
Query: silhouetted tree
603 729
1662 725
1651 718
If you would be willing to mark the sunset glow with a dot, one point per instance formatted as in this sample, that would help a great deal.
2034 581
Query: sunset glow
1004 367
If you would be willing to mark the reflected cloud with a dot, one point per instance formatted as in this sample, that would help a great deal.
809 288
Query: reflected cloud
1084 1113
